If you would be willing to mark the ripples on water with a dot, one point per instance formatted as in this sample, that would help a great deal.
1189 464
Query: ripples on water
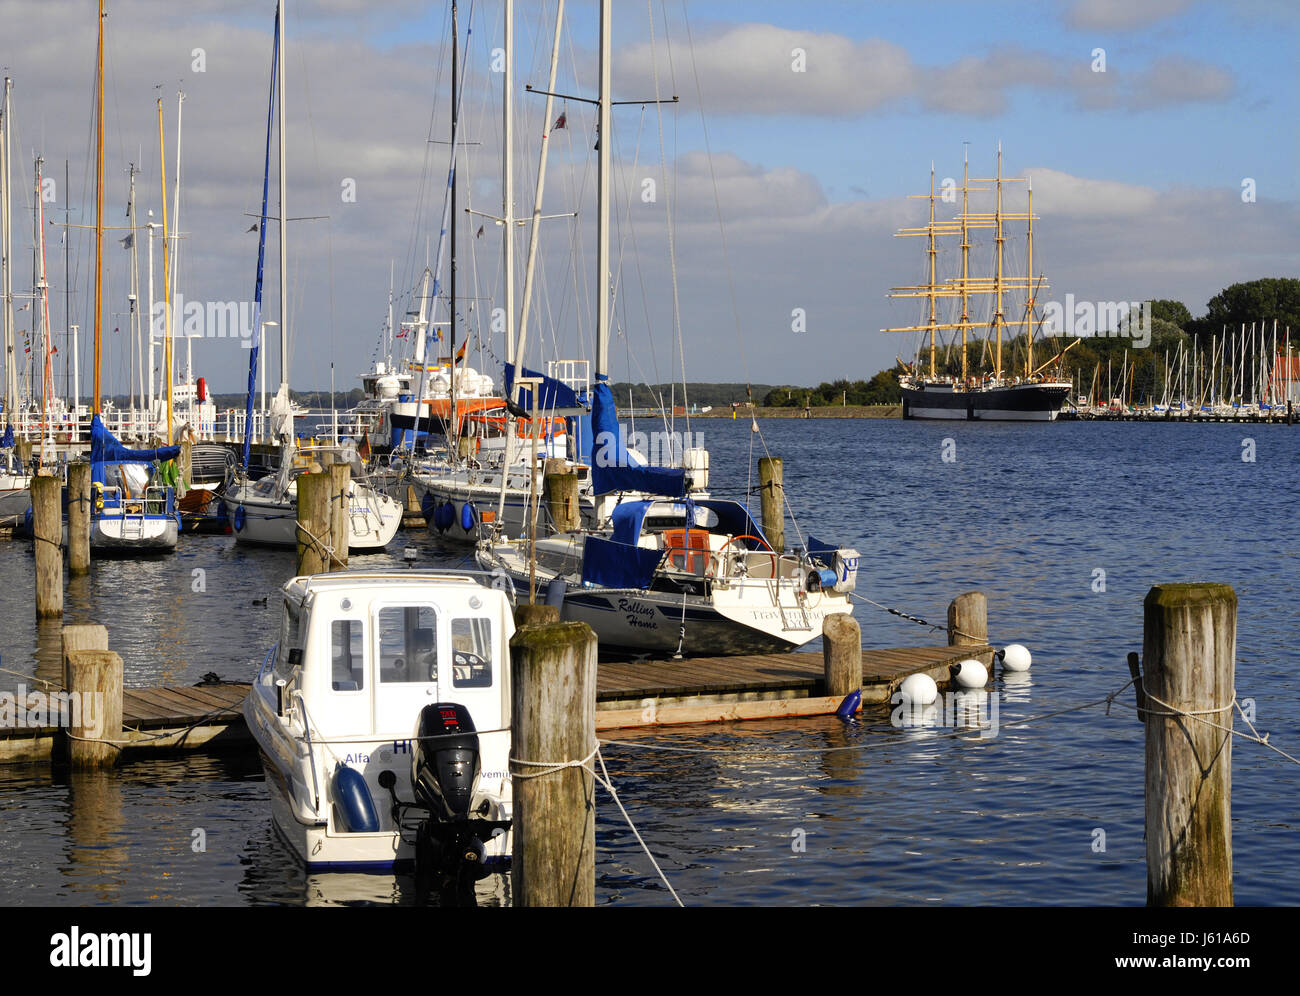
1026 514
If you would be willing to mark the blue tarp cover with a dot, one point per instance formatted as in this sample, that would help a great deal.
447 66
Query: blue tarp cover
607 564
557 398
613 468
106 448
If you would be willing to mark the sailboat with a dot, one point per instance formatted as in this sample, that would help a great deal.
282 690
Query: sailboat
265 511
994 393
672 572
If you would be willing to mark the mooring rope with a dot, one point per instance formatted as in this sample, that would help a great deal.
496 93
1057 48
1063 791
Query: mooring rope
1254 737
552 767
608 783
916 619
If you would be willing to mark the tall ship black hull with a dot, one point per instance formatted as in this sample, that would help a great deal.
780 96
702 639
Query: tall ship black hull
1029 402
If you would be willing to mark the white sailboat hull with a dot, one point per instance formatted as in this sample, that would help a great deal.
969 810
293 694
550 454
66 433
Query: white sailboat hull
373 520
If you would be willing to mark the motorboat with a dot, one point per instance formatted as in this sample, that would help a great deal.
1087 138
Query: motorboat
382 717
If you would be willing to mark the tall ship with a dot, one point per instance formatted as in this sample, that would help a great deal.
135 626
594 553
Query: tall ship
995 311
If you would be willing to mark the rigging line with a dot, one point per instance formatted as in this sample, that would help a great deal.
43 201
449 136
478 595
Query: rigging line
668 218
713 177
329 236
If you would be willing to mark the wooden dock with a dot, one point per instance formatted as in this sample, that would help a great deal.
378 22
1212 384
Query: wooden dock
631 694
170 718
725 689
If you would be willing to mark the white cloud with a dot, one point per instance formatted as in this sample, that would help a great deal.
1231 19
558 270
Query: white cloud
1122 15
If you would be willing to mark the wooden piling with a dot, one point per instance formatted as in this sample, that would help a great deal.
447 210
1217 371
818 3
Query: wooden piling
313 523
842 654
560 488
79 518
88 636
553 719
95 718
771 485
47 540
23 451
1189 651
537 614
340 487
968 620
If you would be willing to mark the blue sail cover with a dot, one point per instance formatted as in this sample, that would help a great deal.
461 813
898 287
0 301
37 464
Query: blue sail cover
556 397
607 564
8 442
106 448
613 468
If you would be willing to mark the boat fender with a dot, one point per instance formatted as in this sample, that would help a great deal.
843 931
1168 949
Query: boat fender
970 673
918 690
355 803
443 516
1015 658
239 519
555 592
851 704
99 495
428 505
467 516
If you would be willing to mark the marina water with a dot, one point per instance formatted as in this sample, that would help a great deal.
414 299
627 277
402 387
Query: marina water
1065 527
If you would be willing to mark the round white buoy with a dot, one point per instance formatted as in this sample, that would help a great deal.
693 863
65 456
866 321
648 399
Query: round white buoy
970 673
919 689
1016 658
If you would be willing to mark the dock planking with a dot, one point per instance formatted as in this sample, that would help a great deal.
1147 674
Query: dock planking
168 718
629 694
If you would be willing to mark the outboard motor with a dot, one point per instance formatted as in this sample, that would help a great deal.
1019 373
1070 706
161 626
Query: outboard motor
445 769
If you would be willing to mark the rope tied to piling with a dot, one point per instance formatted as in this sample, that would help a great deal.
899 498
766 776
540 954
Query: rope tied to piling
552 767
325 548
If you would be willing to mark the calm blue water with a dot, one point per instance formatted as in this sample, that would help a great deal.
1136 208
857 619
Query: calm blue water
1027 514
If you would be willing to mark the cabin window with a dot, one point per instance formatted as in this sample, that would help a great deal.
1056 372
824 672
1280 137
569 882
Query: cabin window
471 652
290 639
408 645
347 655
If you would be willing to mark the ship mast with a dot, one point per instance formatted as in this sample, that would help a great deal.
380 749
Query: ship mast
932 251
965 258
997 278
1029 301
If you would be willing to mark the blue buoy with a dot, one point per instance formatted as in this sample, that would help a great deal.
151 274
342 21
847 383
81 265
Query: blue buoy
428 505
239 518
354 801
849 707
467 516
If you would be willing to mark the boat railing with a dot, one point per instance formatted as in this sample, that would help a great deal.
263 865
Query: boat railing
311 750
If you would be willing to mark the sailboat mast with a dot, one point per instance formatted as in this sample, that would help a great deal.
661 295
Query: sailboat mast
99 205
6 247
534 234
167 303
133 297
453 433
284 210
602 195
930 287
508 176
